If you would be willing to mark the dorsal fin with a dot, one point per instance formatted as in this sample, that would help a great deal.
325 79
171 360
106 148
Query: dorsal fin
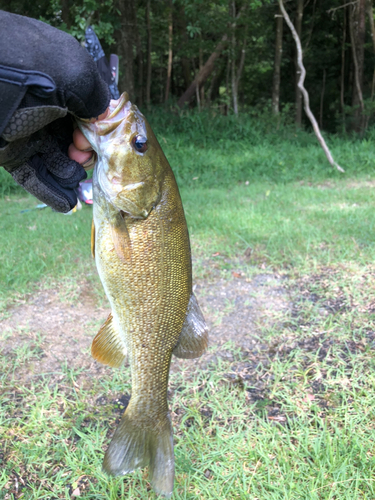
193 339
108 347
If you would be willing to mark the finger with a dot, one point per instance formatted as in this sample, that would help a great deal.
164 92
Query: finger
78 155
80 141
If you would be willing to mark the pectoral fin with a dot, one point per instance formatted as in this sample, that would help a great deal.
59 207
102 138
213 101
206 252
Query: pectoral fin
107 347
193 339
121 238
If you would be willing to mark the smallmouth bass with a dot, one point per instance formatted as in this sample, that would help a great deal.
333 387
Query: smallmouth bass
142 253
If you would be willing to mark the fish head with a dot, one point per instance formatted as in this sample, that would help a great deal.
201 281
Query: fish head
130 160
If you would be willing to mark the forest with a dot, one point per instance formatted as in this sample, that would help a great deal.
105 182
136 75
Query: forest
233 55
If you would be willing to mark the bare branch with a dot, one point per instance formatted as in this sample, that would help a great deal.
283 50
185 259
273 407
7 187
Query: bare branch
305 93
341 6
208 67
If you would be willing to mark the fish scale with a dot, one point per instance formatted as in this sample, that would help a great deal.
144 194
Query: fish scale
142 254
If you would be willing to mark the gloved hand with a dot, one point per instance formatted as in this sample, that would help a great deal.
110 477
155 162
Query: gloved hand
46 78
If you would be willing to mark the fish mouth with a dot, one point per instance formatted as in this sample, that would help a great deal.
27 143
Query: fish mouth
116 106
119 110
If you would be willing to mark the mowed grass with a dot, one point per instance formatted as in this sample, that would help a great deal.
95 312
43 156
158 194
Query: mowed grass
40 246
292 419
299 425
292 225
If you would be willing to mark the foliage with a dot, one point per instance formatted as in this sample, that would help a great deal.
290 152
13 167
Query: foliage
198 26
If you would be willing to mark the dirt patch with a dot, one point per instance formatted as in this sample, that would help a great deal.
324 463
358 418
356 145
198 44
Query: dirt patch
49 334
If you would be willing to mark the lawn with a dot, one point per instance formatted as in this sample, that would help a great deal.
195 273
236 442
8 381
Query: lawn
281 407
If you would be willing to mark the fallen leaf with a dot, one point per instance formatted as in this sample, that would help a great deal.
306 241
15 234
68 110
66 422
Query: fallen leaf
208 473
248 252
278 418
76 493
236 275
309 397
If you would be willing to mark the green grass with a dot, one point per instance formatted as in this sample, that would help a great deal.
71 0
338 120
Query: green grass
280 446
280 225
293 419
41 246
211 150
286 225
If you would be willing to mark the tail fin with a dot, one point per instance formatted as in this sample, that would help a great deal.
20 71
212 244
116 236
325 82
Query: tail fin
133 446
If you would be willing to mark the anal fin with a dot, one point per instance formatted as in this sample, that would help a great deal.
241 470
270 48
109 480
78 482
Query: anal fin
107 347
193 340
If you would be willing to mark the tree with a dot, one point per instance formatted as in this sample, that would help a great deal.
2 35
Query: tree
125 37
170 50
236 72
304 91
149 68
277 65
357 26
204 73
202 45
299 16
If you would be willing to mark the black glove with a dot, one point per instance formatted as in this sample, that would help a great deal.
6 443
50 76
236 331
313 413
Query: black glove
44 74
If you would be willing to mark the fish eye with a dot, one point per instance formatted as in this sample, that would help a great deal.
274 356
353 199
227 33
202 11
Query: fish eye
140 143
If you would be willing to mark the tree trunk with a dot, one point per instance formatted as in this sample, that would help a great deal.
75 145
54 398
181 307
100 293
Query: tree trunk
227 90
372 26
170 51
236 76
342 89
211 86
298 70
186 74
200 67
240 67
204 73
65 13
125 37
140 64
322 99
148 81
277 65
357 37
198 99
233 60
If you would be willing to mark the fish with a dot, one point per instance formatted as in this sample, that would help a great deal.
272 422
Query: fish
142 252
